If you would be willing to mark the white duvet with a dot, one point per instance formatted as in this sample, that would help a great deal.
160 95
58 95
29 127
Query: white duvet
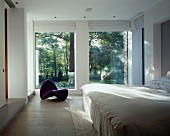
119 110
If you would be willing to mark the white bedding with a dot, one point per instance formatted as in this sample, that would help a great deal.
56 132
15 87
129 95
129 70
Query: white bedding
118 110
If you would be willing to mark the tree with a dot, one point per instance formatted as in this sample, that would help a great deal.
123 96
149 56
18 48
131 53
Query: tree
106 51
53 53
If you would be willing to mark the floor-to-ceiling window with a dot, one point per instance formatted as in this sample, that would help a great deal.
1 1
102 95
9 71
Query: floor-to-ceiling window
55 58
108 57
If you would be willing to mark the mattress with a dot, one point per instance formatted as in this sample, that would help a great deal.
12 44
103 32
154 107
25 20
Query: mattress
118 110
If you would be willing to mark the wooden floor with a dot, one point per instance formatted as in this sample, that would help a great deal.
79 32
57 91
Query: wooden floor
42 118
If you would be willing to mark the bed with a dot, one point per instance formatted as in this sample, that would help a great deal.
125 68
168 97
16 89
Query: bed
119 110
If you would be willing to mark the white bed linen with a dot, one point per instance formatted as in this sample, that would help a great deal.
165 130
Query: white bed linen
118 110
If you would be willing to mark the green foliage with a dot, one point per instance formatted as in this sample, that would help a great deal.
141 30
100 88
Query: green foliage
53 50
106 57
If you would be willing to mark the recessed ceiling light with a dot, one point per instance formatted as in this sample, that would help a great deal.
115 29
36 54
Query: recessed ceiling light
55 17
16 2
114 16
84 16
88 9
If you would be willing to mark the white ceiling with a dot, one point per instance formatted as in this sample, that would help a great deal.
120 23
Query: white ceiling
75 9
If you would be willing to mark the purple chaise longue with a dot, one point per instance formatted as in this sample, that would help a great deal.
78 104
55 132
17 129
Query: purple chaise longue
49 89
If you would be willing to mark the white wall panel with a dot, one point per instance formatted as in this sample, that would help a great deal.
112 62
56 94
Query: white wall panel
30 57
2 58
17 62
137 57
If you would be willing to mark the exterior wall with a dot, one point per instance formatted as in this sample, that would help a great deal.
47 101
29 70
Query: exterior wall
2 55
17 68
152 22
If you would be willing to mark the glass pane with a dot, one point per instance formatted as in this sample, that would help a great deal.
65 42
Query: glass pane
108 57
55 58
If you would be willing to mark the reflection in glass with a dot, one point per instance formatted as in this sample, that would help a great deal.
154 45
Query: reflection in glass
108 57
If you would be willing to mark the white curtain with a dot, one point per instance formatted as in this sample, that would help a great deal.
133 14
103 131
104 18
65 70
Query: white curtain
109 25
54 26
139 22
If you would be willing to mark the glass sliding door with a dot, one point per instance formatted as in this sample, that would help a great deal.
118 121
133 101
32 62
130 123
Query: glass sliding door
55 58
108 57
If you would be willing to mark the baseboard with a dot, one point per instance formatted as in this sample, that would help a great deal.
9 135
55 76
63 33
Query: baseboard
30 96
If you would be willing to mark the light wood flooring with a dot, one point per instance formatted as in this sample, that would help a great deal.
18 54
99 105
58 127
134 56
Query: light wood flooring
42 118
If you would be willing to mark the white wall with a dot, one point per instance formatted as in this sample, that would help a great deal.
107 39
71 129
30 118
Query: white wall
135 51
2 58
30 57
152 20
165 41
17 72
137 57
82 55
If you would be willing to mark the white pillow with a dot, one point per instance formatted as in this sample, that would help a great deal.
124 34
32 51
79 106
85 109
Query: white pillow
162 83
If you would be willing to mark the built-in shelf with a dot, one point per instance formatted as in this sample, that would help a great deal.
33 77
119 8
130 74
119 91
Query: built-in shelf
9 111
